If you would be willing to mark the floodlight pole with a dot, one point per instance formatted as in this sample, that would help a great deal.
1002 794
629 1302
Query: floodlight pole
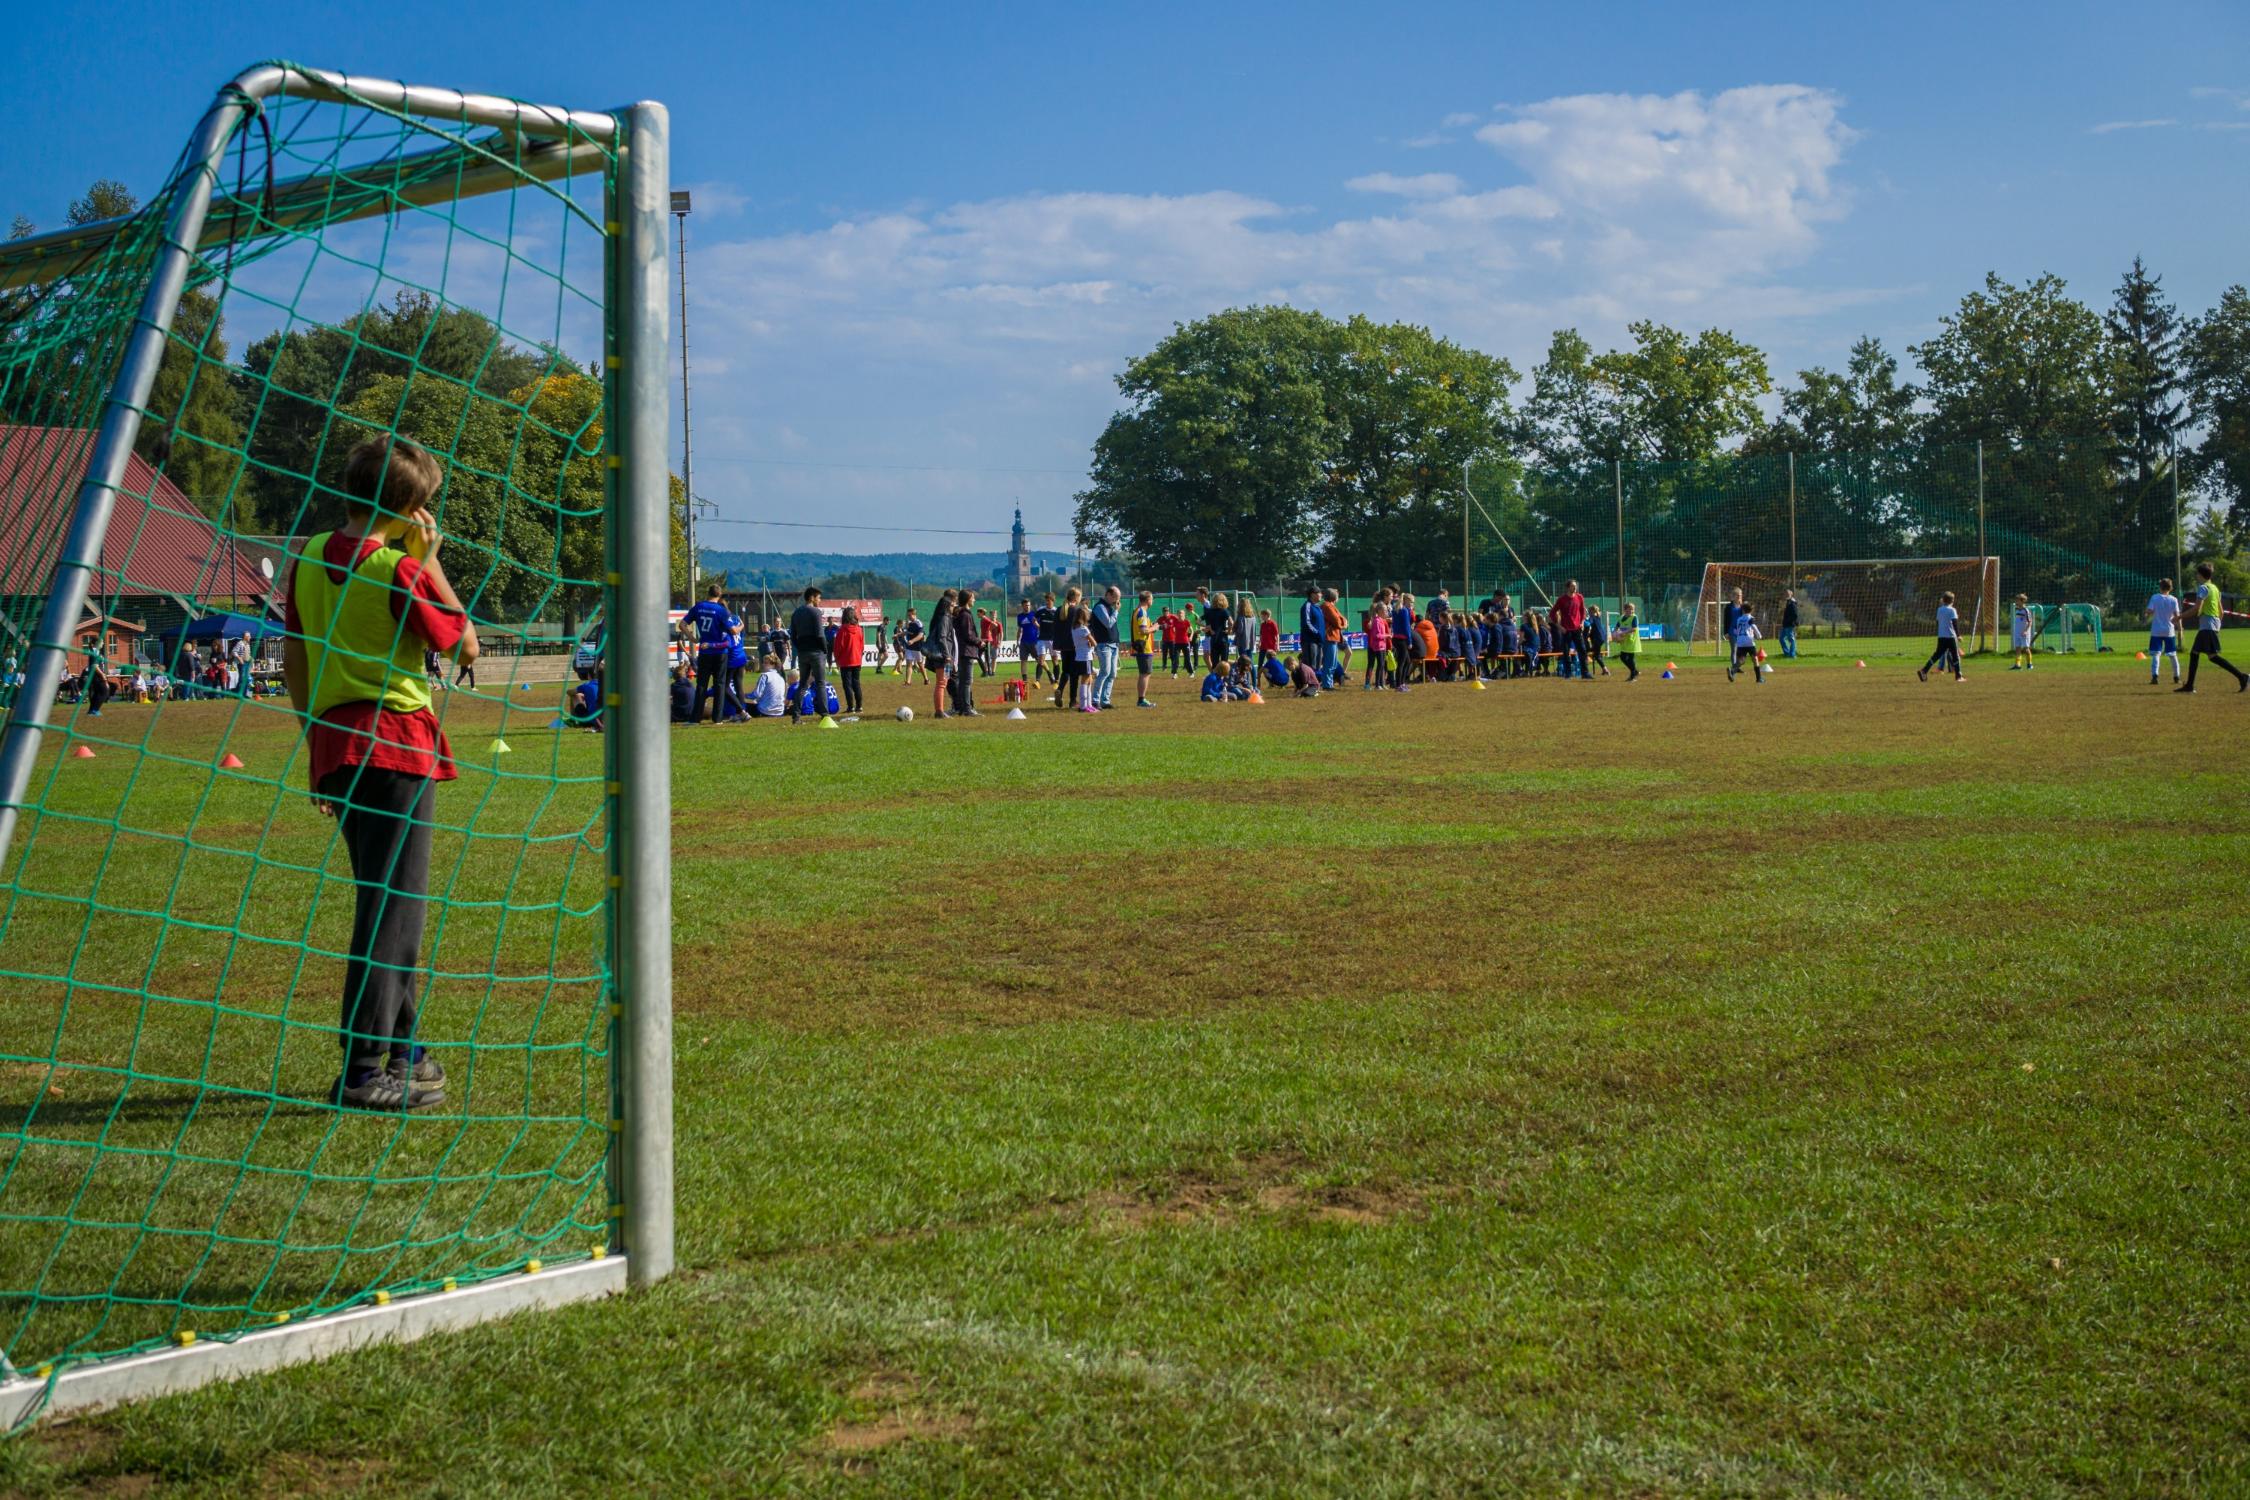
2179 536
682 202
1981 553
638 704
1617 473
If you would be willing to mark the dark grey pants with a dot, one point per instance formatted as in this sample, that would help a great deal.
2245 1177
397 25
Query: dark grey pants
812 672
386 823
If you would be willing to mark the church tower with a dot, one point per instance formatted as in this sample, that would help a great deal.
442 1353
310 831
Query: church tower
1019 561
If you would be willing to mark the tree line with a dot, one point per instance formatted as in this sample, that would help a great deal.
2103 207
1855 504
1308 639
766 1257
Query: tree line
1273 442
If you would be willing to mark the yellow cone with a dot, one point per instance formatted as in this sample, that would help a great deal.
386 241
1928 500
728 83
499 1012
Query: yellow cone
1479 681
500 747
827 722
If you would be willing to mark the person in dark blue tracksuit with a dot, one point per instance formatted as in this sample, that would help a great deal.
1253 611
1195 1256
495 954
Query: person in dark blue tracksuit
711 625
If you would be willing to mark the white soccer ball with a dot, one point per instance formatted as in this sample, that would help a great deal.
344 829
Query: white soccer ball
905 714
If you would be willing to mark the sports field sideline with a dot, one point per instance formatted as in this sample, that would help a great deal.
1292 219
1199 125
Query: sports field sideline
1831 1085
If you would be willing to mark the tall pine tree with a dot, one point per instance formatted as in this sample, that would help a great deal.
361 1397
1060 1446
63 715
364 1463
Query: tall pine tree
2148 407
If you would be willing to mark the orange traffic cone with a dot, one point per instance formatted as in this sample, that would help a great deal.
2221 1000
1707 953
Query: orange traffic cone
80 752
1255 697
230 762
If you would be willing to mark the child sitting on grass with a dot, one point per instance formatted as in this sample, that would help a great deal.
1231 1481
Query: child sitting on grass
365 601
1215 683
1303 678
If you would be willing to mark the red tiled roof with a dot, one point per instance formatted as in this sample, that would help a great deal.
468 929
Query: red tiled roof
158 542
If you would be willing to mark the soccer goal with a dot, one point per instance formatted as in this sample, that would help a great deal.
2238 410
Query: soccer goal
185 1193
1864 598
2067 628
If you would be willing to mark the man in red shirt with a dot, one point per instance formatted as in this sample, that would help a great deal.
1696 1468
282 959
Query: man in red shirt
364 603
1570 624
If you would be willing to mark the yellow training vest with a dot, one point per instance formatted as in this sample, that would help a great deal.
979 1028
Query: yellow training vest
355 651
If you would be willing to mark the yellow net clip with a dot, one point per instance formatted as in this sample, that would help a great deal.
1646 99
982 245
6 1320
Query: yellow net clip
184 1337
615 462
617 882
449 1284
601 1252
382 1299
617 1127
615 579
616 788
614 699
531 1268
617 1210
278 1319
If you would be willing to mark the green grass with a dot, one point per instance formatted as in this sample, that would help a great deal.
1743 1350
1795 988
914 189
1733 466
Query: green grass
1676 1088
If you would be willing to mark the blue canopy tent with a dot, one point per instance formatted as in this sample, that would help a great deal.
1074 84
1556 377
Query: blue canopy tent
215 627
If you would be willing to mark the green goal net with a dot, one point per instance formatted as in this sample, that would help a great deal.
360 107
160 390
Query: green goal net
177 917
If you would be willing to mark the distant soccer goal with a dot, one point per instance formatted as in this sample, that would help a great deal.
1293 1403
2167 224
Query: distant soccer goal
1861 598
211 1160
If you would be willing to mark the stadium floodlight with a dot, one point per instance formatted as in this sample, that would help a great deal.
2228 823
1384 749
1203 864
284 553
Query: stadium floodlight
549 1176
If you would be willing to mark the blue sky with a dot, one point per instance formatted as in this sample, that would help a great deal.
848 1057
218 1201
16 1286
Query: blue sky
927 236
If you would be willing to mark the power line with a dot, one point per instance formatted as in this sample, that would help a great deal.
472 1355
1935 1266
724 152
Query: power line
813 463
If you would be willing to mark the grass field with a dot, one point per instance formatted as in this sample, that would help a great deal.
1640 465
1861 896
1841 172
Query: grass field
1831 1086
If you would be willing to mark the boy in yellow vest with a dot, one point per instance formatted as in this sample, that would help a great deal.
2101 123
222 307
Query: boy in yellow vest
364 602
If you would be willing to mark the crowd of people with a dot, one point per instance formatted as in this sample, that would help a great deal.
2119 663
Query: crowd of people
1078 645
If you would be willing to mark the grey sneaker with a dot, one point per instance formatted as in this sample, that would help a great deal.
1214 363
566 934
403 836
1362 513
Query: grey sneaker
423 1071
385 1092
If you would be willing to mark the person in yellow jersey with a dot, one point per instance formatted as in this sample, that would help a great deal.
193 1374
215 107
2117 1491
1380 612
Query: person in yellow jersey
2210 613
365 601
1144 644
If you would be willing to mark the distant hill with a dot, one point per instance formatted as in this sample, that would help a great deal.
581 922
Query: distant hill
785 569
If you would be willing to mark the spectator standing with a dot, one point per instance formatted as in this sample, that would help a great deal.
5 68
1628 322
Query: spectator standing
1144 643
968 649
851 654
1788 633
712 626
808 636
1102 625
937 652
1569 619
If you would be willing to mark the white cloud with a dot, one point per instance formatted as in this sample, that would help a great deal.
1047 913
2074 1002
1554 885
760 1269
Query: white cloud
2110 127
1744 173
876 337
1425 185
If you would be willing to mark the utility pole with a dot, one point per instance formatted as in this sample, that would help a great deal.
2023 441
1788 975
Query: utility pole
680 205
2179 535
1617 473
1982 556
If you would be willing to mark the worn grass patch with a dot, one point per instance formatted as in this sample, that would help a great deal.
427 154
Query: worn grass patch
1833 1086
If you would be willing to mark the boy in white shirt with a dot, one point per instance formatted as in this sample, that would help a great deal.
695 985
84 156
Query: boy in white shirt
2163 631
1948 639
1745 628
2023 634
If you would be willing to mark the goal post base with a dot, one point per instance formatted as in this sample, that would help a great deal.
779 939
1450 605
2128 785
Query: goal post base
93 1387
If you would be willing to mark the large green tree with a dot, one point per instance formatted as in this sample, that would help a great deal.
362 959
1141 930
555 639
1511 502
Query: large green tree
292 383
1656 416
1407 411
1865 408
1210 468
2216 350
2029 372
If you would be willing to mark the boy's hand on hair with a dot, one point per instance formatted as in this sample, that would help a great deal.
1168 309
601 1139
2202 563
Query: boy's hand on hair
421 537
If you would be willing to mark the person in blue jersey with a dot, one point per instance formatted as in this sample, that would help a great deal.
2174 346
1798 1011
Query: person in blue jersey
683 692
1507 629
711 625
1215 683
1027 644
1402 639
776 642
738 662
